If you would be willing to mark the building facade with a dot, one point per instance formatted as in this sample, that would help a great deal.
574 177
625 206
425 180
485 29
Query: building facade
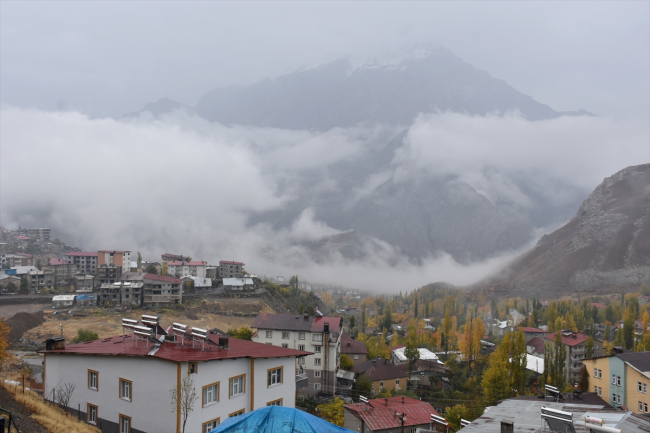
85 263
181 269
108 273
354 349
115 258
157 290
230 269
39 233
125 384
576 351
317 334
388 415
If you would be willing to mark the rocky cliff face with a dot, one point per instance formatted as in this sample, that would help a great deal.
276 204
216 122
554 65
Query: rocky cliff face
605 246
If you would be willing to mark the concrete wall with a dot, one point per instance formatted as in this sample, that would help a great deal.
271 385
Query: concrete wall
603 365
151 409
616 367
634 396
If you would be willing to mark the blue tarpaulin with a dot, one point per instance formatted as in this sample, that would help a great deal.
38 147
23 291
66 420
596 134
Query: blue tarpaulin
278 419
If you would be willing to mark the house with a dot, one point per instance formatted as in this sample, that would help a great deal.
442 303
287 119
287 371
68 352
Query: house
398 357
19 259
63 301
6 279
393 414
426 374
85 263
238 284
199 284
535 347
575 343
230 269
150 267
124 293
384 374
167 257
317 334
344 382
231 377
602 329
530 333
108 273
39 280
622 378
157 290
181 269
116 258
354 349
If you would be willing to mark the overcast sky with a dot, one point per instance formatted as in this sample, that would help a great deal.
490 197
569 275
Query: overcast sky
111 58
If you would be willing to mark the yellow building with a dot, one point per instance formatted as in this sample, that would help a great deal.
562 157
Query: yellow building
622 379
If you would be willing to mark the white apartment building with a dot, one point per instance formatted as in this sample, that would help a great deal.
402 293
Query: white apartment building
194 268
317 334
124 385
40 233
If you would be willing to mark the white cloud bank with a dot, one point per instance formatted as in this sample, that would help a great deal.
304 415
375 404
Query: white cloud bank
187 186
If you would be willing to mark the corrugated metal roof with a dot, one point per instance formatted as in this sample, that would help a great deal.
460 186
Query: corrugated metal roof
82 254
115 346
237 281
352 346
381 413
226 262
290 322
63 298
192 263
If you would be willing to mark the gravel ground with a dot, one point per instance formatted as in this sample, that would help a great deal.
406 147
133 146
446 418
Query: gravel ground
21 415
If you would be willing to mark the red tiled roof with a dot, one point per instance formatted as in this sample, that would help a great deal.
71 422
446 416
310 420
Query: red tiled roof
226 262
537 343
531 330
162 278
55 262
291 322
192 263
176 352
82 254
352 346
396 347
379 414
571 340
597 305
113 251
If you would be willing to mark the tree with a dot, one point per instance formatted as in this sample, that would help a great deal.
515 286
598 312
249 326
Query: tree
242 333
496 383
139 258
362 386
346 362
301 309
416 306
24 287
446 330
628 327
164 269
589 347
183 398
363 320
84 335
583 384
411 351
455 414
151 269
387 319
517 361
332 412
352 322
4 337
326 297
63 394
11 287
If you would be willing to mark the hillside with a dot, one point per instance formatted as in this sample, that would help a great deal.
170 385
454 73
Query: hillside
605 246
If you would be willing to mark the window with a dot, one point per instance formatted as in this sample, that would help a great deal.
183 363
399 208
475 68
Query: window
645 407
210 394
595 389
126 389
381 384
618 380
595 372
640 407
301 361
285 335
210 425
277 402
301 347
274 376
237 385
91 413
239 412
600 374
192 368
396 381
317 386
645 388
613 398
639 386
285 345
125 424
301 336
600 392
93 377
269 334
317 373
317 361
356 356
613 379
618 399
317 337
317 349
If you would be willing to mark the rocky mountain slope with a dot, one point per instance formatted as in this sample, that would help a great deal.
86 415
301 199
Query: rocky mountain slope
605 246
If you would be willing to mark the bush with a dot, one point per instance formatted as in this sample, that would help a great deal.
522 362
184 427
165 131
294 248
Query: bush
85 335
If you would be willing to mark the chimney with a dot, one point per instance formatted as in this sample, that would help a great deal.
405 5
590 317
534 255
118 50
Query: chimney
507 426
402 399
374 362
326 327
306 315
386 401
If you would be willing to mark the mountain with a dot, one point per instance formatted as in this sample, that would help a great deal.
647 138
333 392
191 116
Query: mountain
339 95
605 246
160 107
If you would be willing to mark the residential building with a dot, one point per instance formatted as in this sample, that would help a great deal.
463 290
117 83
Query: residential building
39 280
384 374
238 284
62 271
428 374
124 293
622 378
602 329
6 279
530 333
83 283
388 415
354 349
85 263
167 257
535 347
575 343
231 377
63 301
117 258
108 273
150 267
39 233
230 269
320 335
398 357
158 290
18 259
181 269
199 284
